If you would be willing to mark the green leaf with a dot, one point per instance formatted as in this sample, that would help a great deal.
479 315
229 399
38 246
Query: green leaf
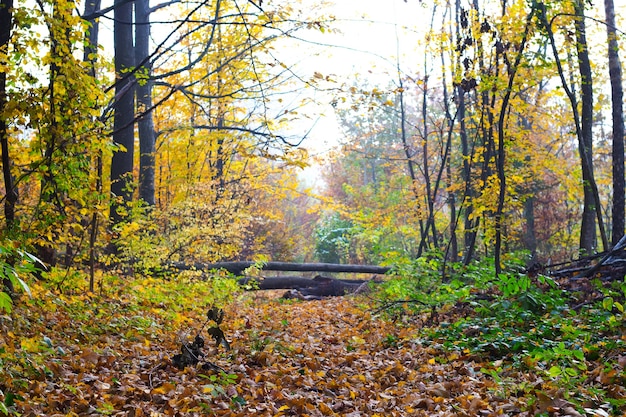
554 371
607 303
6 303
578 354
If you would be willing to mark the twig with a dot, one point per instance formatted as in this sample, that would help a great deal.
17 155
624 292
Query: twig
618 246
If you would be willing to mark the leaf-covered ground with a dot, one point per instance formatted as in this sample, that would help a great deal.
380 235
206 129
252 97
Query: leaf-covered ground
69 355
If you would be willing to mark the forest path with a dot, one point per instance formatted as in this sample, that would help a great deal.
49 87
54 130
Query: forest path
331 357
81 355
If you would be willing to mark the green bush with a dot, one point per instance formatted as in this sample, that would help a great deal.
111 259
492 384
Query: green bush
14 264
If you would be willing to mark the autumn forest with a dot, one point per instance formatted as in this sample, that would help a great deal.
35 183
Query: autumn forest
147 145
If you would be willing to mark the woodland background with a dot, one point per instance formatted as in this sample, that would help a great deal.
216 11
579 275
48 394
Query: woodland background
172 146
172 142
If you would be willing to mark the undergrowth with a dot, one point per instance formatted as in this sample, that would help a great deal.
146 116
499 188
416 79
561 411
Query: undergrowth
518 324
130 318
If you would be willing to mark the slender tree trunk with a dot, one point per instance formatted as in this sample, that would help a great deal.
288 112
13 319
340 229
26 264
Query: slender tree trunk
409 158
430 222
588 228
147 135
617 94
6 25
530 237
465 204
592 209
587 238
452 249
91 57
501 155
10 199
123 123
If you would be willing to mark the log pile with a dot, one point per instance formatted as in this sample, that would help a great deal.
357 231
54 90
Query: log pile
309 289
607 266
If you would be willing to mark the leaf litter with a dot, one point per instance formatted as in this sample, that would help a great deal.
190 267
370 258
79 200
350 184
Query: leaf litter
81 356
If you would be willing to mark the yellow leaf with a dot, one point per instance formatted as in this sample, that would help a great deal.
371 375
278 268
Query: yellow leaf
164 389
31 345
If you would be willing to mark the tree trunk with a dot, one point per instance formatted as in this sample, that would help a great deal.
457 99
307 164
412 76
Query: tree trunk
587 236
588 241
90 57
501 154
452 247
6 25
123 123
238 267
147 136
319 286
430 193
617 94
407 153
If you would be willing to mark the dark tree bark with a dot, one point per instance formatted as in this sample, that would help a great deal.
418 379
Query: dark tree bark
592 199
124 115
617 94
10 199
530 237
588 241
90 56
319 286
239 266
6 25
469 226
145 124
91 37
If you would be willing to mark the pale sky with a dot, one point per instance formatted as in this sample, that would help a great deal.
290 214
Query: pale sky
369 35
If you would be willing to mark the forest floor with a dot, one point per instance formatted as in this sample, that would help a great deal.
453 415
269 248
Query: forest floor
85 354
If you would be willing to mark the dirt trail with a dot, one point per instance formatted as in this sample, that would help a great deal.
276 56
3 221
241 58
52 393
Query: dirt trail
330 357
296 358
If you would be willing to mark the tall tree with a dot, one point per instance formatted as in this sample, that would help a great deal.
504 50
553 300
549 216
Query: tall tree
511 71
6 25
583 123
145 124
617 94
90 57
124 109
592 209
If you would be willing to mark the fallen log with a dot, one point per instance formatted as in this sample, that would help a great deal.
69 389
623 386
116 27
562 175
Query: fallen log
319 286
238 267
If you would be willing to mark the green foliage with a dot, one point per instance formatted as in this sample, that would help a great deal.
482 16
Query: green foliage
14 263
332 238
422 280
516 322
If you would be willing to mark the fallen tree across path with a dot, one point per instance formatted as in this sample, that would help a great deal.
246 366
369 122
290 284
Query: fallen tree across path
238 267
319 286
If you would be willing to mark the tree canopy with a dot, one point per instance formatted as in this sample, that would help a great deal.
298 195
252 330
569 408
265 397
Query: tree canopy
482 169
